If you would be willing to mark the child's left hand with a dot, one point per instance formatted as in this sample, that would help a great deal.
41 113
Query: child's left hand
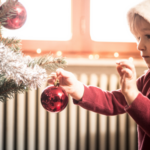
127 73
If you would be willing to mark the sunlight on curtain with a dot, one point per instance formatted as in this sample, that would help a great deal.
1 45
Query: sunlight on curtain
108 21
46 20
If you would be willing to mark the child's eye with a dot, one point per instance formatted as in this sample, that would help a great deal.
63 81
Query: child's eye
148 36
138 38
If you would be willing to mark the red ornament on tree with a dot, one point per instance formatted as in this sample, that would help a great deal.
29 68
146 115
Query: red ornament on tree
18 19
54 98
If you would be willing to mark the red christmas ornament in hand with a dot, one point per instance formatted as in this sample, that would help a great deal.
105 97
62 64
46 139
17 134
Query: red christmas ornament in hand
54 98
17 20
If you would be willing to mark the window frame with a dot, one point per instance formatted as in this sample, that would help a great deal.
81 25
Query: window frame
81 45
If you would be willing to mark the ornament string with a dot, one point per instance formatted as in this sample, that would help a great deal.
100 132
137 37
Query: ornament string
56 83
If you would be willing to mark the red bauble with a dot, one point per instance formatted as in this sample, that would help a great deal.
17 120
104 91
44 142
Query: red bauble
54 98
18 20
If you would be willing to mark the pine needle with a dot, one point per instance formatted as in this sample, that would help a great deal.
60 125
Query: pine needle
8 88
48 62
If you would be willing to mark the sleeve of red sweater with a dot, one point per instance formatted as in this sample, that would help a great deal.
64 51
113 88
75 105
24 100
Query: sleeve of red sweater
139 110
103 102
113 103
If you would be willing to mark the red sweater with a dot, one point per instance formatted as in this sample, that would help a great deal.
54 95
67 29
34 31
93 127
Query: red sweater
114 103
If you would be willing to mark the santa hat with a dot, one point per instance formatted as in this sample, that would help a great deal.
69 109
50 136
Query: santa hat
142 9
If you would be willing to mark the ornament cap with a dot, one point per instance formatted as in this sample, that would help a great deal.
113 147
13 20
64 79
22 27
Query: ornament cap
56 83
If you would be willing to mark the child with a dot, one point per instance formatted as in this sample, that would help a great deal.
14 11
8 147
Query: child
134 95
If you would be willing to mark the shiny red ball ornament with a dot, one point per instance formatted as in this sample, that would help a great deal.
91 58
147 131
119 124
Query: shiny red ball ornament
17 20
54 98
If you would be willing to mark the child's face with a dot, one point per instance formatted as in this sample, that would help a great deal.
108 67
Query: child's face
143 40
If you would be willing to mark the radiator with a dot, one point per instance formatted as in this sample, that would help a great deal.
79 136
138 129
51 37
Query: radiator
25 125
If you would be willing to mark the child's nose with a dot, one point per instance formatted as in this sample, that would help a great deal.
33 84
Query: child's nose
141 46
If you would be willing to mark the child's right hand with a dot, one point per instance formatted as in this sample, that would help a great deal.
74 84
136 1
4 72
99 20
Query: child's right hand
68 82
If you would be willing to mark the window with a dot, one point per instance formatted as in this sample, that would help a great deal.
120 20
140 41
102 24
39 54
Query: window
46 20
108 21
78 28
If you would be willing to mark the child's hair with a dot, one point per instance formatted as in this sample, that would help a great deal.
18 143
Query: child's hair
135 23
137 15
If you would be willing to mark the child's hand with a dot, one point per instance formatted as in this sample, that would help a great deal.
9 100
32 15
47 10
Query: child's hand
127 73
68 82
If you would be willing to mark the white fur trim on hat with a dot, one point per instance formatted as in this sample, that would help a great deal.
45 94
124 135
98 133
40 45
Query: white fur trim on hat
143 9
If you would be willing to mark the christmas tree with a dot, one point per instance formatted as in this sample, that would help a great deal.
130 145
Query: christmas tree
19 73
